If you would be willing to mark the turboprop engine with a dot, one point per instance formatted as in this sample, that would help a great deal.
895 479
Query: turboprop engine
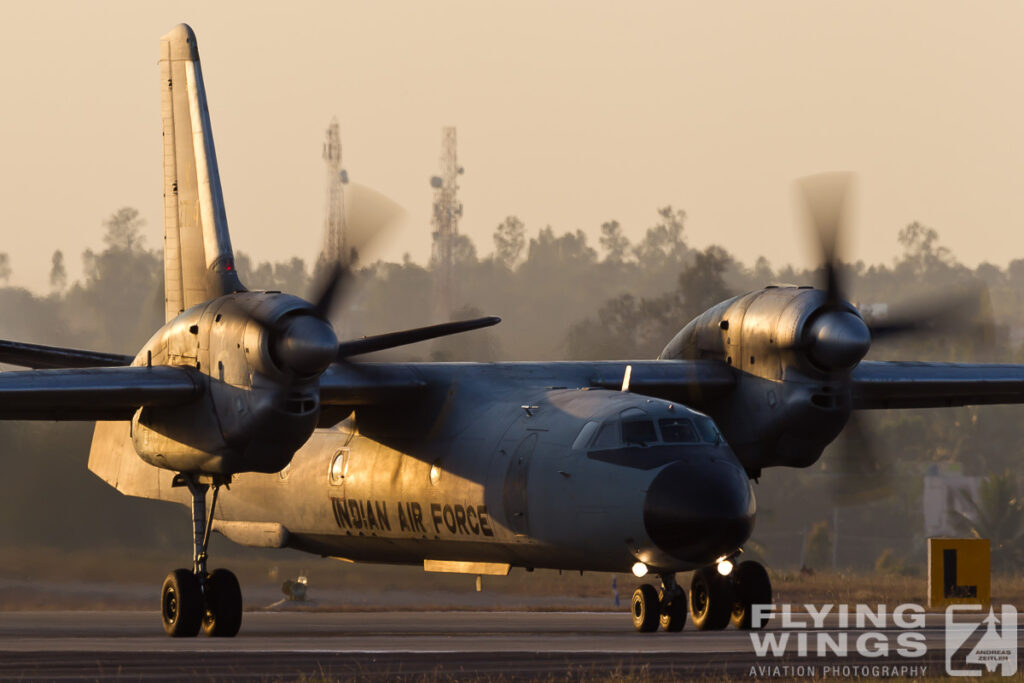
259 355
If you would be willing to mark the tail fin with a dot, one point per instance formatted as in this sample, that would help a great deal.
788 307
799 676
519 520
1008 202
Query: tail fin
198 262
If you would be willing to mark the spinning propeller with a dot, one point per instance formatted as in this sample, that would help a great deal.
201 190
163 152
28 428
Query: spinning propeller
837 338
303 343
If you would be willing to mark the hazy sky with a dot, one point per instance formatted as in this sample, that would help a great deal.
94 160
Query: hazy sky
568 113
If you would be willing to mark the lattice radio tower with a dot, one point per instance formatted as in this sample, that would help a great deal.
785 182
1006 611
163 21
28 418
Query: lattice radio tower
447 211
335 248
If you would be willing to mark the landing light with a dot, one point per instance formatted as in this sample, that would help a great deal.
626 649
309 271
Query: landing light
724 567
639 570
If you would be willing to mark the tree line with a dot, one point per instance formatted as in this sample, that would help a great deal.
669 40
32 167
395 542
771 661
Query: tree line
560 297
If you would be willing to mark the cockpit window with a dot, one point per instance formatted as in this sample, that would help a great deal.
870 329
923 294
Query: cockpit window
585 434
608 437
678 430
638 432
708 431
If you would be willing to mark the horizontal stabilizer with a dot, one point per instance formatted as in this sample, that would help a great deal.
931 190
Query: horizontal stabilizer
39 356
94 393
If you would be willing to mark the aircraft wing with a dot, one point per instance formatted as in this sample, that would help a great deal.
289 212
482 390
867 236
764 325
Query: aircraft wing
93 393
39 356
689 382
348 384
882 384
685 381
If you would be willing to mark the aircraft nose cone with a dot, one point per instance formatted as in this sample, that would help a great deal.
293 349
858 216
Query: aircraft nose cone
698 511
307 345
840 340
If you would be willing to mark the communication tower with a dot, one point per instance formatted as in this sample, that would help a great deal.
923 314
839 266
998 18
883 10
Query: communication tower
335 248
447 211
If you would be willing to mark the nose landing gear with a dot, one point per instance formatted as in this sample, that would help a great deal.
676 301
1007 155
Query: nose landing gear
715 600
190 600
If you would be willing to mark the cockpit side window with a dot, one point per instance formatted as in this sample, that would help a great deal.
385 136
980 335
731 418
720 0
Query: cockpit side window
638 432
678 430
608 437
585 435
708 431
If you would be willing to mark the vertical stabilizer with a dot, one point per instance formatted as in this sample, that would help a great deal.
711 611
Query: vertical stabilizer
198 262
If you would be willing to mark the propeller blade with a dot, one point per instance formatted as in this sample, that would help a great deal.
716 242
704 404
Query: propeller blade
966 311
858 475
329 289
368 215
391 340
824 198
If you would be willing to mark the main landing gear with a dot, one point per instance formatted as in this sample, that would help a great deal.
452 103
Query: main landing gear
716 600
190 600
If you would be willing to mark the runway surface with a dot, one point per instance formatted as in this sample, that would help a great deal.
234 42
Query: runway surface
276 646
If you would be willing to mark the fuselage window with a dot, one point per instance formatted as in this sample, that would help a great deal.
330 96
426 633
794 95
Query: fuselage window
678 430
608 437
638 432
708 431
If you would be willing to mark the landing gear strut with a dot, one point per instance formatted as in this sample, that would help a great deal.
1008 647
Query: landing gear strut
190 600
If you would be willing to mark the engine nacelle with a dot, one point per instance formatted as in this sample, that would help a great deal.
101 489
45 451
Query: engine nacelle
794 352
255 413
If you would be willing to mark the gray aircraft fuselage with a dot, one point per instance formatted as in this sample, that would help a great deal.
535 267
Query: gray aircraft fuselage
506 469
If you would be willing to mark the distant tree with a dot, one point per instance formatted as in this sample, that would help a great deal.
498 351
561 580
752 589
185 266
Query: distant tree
124 229
5 267
509 240
463 250
615 244
58 272
702 285
664 241
291 276
997 513
763 273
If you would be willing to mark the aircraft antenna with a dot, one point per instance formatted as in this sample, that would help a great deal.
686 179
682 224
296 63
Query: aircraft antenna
334 248
447 211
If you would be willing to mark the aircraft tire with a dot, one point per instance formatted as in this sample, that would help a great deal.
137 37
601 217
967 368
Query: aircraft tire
181 604
645 609
673 613
751 586
222 605
711 599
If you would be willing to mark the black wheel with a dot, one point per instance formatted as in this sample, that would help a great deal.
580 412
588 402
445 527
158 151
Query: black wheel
710 599
673 613
222 605
181 604
751 586
645 608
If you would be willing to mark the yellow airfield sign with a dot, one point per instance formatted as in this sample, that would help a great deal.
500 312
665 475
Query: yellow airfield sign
959 571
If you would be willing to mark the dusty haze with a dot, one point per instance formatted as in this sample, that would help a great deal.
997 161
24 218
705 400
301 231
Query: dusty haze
568 114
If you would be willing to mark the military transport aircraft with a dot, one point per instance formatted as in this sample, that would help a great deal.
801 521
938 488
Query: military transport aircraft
246 407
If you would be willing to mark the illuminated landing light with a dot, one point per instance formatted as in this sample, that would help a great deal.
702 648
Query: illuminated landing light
724 567
639 570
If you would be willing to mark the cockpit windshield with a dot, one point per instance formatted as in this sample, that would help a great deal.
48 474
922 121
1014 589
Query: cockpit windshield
642 432
638 432
678 430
